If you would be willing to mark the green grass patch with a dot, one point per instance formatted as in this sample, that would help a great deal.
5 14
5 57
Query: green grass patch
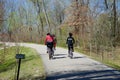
112 65
31 67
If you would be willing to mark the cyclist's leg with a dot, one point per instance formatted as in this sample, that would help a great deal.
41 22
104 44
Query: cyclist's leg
52 48
51 51
48 45
68 50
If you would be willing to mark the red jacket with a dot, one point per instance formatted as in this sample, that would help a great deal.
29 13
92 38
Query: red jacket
48 39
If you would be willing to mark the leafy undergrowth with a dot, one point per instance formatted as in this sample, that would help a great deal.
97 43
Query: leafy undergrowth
1 44
31 67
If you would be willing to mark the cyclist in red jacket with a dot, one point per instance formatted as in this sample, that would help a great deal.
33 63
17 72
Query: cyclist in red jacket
49 41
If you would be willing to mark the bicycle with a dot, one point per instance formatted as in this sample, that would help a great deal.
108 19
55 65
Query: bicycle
70 52
50 51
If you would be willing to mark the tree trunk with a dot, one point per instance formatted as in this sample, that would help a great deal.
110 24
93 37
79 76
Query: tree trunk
1 14
106 4
114 25
46 16
40 18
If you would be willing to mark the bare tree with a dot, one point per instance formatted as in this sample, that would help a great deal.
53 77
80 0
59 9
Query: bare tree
114 26
79 19
106 4
46 16
40 18
1 13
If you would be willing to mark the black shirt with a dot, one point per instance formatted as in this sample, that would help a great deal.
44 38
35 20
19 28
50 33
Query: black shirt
70 40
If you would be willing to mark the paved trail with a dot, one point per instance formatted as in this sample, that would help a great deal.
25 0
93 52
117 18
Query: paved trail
79 68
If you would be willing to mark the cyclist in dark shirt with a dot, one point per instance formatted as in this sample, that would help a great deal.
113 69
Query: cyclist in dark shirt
70 41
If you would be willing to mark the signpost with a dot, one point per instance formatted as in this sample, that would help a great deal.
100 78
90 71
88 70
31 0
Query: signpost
19 56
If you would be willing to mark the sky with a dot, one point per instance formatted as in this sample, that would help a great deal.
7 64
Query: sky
29 7
26 4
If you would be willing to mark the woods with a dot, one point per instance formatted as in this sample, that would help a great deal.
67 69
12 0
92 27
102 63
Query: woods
94 24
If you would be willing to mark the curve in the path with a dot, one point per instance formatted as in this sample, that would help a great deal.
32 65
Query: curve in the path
79 68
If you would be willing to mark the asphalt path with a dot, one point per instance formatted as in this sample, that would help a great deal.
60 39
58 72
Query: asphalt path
81 67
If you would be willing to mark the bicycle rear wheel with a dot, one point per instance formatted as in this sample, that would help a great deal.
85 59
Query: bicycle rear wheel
71 53
50 53
50 56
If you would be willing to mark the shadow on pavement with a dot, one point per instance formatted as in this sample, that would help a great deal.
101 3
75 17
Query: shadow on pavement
78 57
85 75
31 77
59 54
59 57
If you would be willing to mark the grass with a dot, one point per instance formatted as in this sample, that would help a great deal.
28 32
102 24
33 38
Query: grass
31 67
111 64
